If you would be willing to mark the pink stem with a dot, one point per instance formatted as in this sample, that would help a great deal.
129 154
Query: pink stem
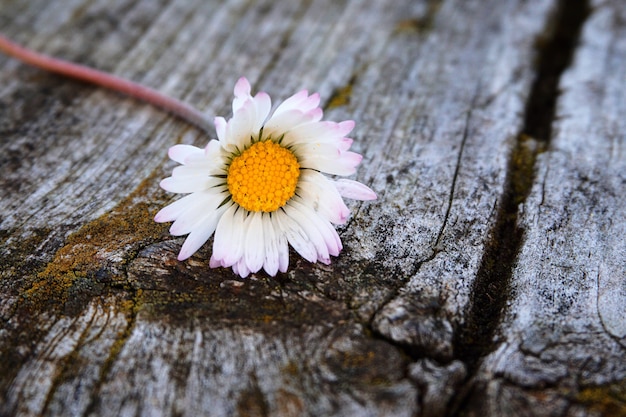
103 79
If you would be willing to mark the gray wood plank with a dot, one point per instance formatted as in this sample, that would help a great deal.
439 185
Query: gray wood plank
564 334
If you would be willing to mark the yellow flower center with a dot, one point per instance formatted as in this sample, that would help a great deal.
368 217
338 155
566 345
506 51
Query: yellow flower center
263 177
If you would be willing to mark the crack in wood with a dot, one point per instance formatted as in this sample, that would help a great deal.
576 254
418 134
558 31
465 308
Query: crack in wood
457 168
554 58
606 329
490 292
69 360
114 352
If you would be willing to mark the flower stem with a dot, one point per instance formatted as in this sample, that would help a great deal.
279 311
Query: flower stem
106 80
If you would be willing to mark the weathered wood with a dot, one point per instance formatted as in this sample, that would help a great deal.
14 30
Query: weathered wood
563 338
99 318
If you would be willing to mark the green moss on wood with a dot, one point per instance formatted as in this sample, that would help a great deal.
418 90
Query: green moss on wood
87 264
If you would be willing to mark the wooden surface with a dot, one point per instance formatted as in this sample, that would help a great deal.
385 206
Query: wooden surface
488 278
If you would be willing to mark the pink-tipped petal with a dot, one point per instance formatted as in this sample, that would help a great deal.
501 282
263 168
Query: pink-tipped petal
316 132
310 103
240 126
242 94
292 102
241 268
242 87
354 190
344 144
314 115
345 127
323 197
328 234
303 218
214 263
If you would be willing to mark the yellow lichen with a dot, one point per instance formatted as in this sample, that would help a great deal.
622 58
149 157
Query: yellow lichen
88 250
609 400
341 97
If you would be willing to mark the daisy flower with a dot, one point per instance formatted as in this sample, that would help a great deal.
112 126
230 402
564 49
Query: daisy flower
261 185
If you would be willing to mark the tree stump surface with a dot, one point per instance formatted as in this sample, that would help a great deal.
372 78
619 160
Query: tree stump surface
488 279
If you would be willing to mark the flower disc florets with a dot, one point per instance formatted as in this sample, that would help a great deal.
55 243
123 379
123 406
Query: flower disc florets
263 177
260 186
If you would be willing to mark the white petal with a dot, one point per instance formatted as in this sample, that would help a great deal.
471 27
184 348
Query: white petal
312 234
325 132
242 93
317 150
240 127
283 254
263 105
190 171
296 236
344 165
271 261
311 102
185 185
300 101
213 149
306 219
277 125
179 153
315 115
220 128
281 245
200 234
329 234
174 210
292 102
344 144
228 245
195 214
322 196
354 190
254 252
241 268
214 263
242 87
345 127
214 161
198 161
